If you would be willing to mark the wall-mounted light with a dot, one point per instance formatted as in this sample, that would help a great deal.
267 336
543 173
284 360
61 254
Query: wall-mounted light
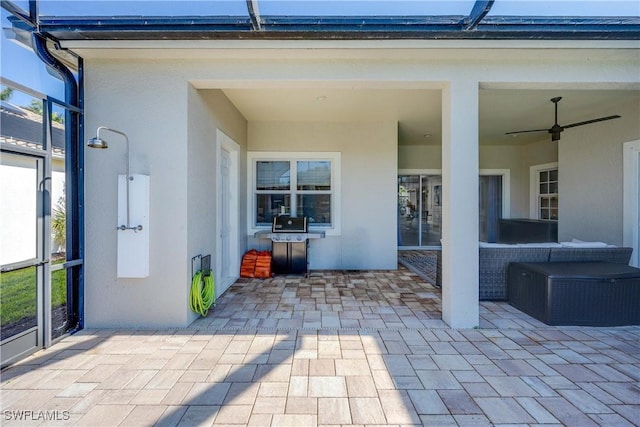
98 142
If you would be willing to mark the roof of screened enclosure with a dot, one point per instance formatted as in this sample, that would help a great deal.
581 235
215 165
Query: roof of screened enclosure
331 19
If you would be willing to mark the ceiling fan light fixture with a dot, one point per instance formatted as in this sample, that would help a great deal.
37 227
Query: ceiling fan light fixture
556 129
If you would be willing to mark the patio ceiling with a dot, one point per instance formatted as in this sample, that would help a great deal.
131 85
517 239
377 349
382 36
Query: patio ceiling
418 112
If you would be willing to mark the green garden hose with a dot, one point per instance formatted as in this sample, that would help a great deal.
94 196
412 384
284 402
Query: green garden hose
203 293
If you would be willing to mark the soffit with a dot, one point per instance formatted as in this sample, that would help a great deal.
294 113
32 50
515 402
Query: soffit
414 50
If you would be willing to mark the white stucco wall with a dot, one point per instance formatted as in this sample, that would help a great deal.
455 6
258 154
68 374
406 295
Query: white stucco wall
542 152
512 157
208 110
420 157
176 146
368 187
591 176
151 108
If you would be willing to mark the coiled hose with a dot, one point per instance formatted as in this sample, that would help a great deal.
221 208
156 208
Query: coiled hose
203 293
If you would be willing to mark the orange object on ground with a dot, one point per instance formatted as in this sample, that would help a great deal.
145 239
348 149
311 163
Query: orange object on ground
256 264
263 265
248 266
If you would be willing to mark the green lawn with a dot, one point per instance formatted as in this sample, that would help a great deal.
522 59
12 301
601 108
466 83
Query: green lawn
17 293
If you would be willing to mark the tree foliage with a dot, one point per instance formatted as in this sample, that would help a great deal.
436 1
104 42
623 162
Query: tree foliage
37 107
6 94
59 222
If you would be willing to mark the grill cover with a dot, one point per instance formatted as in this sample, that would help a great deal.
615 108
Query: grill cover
287 224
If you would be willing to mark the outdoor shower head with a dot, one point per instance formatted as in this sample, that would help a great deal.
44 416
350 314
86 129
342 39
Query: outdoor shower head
97 142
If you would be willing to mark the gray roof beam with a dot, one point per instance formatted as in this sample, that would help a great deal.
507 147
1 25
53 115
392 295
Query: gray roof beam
254 14
479 11
314 27
18 12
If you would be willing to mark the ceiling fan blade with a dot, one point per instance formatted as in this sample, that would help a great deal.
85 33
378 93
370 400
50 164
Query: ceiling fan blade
601 119
527 131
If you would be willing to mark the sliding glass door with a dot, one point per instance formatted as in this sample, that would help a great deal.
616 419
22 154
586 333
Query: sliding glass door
420 209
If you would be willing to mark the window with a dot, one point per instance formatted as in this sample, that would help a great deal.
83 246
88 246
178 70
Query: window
544 187
296 184
548 194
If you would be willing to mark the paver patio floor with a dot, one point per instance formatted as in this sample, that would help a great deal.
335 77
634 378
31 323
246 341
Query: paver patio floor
337 348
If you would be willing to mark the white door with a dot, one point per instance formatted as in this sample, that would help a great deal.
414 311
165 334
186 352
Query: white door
225 214
227 268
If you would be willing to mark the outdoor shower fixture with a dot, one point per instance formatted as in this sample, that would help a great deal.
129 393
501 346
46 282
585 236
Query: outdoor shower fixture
133 207
98 142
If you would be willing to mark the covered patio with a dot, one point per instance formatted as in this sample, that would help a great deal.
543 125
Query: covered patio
338 348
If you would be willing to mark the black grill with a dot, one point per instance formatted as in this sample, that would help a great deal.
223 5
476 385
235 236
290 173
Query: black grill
287 224
289 245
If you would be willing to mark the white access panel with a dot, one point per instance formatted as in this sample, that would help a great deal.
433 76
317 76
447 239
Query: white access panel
133 245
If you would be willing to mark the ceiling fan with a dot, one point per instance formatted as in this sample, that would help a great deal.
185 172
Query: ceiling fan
556 129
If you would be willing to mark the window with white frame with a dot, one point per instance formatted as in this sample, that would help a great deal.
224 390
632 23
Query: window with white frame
296 184
544 191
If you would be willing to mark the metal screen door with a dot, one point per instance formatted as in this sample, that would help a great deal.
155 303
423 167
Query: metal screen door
23 209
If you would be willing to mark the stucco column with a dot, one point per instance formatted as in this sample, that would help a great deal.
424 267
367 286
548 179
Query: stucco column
460 307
